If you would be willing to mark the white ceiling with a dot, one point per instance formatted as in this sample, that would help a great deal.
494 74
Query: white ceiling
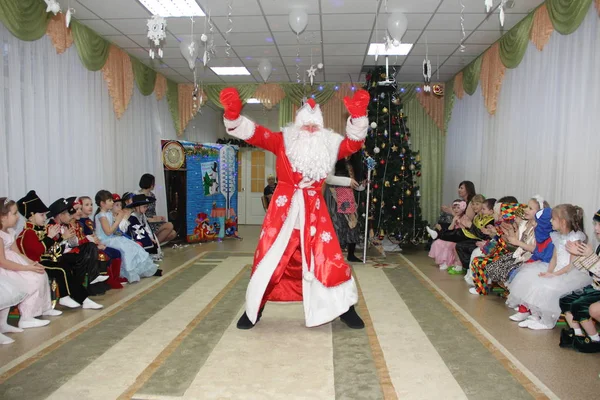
338 31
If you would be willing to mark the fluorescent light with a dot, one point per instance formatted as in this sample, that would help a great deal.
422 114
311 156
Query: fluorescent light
230 70
379 48
173 8
253 101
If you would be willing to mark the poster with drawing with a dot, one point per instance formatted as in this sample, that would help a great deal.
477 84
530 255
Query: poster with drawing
210 178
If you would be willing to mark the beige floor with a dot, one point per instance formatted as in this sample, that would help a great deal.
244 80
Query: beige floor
568 374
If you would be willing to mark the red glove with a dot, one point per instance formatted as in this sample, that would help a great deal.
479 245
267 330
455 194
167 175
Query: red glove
357 106
230 98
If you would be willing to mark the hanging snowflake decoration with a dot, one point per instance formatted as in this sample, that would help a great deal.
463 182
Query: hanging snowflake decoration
311 73
427 75
157 32
53 6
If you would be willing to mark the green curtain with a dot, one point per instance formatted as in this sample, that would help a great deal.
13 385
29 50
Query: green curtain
92 48
213 91
514 43
427 138
296 92
448 103
471 76
145 77
173 100
286 112
25 19
567 15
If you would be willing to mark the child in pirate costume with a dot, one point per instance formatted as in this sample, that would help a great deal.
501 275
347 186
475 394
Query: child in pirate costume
37 244
577 306
339 196
138 228
81 255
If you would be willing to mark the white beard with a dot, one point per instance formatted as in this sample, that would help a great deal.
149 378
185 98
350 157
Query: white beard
311 154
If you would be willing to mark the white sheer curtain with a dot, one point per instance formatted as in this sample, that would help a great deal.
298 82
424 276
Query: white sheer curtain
59 134
544 137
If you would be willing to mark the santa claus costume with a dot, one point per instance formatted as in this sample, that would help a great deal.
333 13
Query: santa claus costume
298 257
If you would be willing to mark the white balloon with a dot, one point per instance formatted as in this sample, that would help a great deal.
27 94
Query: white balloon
265 68
298 20
397 24
189 51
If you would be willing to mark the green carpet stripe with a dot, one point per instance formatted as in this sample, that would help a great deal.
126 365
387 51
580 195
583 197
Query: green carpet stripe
475 369
56 368
354 369
178 371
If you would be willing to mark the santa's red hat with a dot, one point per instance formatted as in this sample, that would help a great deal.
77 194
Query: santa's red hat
309 114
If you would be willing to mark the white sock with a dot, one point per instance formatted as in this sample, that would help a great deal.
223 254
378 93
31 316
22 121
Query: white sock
90 304
595 338
578 331
5 339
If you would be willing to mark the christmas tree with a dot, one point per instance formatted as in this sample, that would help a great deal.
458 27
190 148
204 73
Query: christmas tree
394 207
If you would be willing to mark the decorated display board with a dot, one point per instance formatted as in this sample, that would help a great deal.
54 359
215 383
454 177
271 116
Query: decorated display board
208 186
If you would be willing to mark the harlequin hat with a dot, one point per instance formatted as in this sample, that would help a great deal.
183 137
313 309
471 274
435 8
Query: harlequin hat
509 211
31 204
597 216
140 200
61 205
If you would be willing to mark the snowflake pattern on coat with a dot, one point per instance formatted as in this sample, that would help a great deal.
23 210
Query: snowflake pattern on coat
281 201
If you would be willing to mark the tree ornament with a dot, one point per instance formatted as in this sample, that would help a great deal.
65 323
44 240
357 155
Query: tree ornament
402 168
400 202
383 145
384 110
396 179
393 207
375 186
408 192
374 199
376 150
403 150
410 215
418 158
419 174
382 95
387 184
382 162
397 133
396 101
394 148
385 133
382 75
412 167
373 125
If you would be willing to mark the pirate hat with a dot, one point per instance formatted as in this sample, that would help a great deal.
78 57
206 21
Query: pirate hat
140 200
31 204
61 205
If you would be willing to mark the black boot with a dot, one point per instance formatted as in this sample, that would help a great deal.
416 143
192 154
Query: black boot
567 336
584 344
245 323
351 256
352 319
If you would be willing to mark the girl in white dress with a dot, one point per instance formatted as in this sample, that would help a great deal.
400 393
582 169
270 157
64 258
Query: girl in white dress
29 275
538 287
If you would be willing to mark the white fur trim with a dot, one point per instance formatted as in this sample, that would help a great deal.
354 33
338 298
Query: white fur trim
241 128
307 115
265 269
323 304
356 128
338 180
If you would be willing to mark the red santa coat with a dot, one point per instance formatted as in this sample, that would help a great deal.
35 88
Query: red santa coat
328 289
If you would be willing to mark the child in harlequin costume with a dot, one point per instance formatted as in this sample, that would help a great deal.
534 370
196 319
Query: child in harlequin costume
579 306
442 251
494 248
85 230
540 286
298 256
138 228
135 262
521 242
82 256
37 243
